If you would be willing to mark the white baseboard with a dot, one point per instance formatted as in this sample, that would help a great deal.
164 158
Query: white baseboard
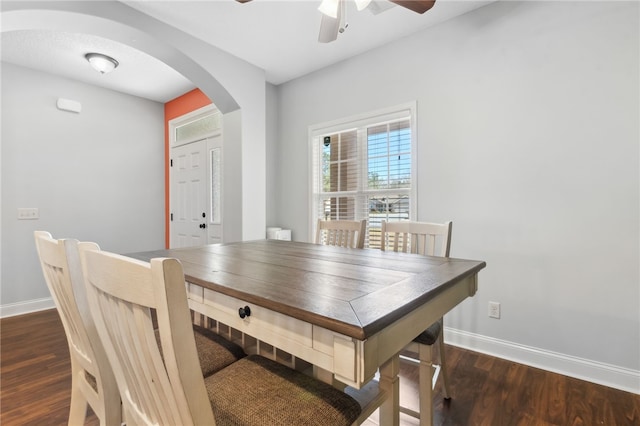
592 371
20 308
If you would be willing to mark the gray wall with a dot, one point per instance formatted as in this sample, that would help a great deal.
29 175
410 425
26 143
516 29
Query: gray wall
528 141
96 176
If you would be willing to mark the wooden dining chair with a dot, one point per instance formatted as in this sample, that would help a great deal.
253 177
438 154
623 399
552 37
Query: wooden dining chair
92 380
429 239
169 389
343 233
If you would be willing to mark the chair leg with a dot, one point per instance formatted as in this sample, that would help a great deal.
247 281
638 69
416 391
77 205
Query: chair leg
443 367
78 408
112 410
425 391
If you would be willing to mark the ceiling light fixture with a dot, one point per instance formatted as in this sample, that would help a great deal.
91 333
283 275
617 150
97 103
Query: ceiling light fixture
102 63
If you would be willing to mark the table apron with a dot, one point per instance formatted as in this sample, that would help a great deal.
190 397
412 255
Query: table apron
351 361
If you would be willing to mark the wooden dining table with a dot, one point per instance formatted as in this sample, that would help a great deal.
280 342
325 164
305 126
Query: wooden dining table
346 312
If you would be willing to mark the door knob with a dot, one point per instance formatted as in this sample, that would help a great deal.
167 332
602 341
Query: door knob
203 225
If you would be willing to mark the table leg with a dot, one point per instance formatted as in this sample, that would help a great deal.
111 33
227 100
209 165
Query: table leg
327 377
390 383
426 385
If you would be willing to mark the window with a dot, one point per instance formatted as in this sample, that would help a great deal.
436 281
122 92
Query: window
215 170
205 122
363 168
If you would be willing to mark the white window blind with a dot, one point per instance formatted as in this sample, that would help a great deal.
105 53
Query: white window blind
363 169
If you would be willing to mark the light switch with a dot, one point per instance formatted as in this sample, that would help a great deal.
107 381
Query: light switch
28 213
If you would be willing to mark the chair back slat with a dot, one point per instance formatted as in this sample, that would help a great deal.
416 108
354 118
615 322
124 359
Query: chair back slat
56 271
342 233
156 388
429 239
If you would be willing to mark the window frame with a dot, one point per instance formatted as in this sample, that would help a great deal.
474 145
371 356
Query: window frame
360 123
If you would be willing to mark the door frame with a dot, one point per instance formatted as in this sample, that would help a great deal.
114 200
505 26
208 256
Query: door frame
216 133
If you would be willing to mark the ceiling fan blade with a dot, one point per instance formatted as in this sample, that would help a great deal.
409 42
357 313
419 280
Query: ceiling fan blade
328 29
378 6
418 6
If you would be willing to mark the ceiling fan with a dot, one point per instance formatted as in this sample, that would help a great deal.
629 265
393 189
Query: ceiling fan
334 13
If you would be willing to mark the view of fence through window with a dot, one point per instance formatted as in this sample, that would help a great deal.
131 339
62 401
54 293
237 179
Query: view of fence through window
366 174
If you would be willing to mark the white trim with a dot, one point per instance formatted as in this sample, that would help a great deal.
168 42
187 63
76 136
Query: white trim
27 307
600 373
367 118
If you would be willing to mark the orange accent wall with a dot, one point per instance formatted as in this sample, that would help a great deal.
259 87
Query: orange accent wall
181 105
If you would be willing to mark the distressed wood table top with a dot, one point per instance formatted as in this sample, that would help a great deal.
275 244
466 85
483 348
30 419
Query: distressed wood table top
350 291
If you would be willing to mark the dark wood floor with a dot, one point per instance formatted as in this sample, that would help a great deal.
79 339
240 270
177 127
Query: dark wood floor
35 386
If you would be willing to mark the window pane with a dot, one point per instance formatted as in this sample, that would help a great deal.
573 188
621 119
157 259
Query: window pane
389 208
338 208
325 163
399 138
349 176
377 141
215 185
378 173
197 129
348 145
400 171
334 180
389 155
333 148
339 162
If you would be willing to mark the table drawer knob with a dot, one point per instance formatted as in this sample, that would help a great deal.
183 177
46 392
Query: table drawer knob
244 312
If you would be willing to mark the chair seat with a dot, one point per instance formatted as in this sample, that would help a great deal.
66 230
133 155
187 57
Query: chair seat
258 391
214 351
430 335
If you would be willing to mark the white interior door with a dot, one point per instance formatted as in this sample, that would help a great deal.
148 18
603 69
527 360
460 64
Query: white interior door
189 195
196 178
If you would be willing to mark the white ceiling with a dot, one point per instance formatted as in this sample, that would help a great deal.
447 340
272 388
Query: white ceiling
275 35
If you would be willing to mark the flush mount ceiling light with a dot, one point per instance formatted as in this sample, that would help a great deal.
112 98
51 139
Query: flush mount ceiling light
102 63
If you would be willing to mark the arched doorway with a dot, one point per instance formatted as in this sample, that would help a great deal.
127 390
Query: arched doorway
205 65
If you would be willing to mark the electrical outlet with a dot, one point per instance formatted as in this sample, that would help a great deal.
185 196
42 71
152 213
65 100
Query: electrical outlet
28 214
494 310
